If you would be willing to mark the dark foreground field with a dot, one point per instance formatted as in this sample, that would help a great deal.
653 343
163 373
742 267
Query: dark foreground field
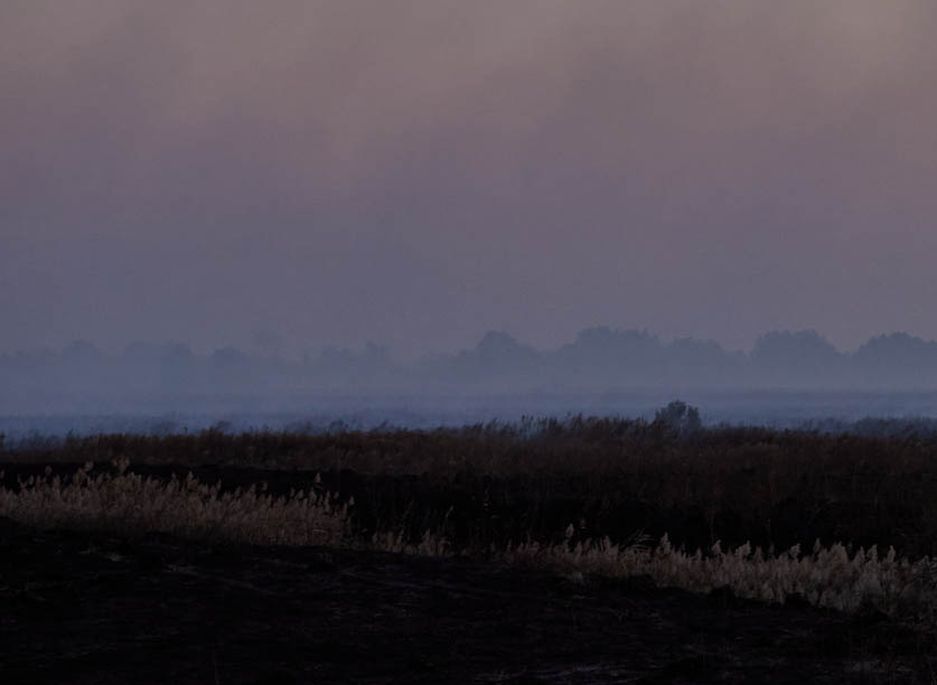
78 607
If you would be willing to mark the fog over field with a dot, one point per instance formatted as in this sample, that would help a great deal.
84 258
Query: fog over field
785 379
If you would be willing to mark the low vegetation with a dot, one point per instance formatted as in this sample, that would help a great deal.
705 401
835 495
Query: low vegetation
832 577
134 504
580 496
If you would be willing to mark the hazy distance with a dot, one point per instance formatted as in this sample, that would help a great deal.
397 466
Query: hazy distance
786 378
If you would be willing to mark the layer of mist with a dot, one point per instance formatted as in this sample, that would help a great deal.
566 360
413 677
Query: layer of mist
786 377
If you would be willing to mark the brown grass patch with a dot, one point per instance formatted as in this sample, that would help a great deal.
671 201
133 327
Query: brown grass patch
132 504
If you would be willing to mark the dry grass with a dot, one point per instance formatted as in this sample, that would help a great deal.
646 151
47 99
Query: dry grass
766 486
430 545
830 577
130 503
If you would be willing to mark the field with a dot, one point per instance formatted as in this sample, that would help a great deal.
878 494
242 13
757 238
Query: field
582 550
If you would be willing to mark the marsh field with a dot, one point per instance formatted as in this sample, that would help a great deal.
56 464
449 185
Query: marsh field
557 551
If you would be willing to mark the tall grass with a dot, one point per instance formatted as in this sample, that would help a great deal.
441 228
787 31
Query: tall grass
120 501
734 484
130 503
832 577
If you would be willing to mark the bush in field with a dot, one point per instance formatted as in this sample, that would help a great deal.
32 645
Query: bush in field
679 418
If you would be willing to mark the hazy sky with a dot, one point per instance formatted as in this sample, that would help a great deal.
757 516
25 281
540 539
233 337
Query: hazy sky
419 172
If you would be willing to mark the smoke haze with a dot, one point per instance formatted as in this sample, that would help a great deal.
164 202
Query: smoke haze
328 173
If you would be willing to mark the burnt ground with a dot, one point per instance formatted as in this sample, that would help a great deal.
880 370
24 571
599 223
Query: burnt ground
78 607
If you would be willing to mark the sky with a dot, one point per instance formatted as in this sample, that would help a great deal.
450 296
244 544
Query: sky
298 174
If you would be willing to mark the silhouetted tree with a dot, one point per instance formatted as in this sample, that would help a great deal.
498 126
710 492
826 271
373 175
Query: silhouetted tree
799 358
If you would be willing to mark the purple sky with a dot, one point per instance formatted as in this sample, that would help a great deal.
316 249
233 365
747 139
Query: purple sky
418 172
